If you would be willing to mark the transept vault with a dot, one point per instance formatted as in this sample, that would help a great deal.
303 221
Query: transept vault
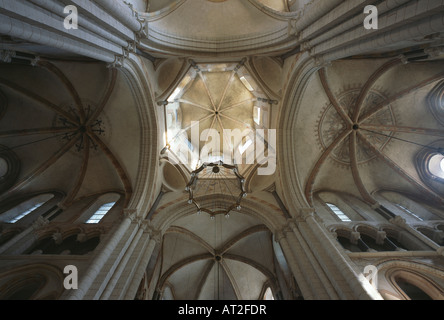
128 127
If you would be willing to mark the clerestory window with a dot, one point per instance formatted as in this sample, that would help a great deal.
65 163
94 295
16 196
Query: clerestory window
100 213
338 212
25 208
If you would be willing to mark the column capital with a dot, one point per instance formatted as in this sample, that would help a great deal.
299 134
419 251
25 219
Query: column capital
399 221
57 237
320 61
403 59
354 237
304 214
154 233
40 222
81 237
434 52
279 235
306 46
380 237
292 30
130 213
7 55
291 223
119 62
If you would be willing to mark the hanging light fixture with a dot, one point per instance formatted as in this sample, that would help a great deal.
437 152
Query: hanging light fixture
216 188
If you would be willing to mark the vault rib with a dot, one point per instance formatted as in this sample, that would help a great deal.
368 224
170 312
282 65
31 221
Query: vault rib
311 178
39 99
369 84
400 95
355 171
68 85
425 190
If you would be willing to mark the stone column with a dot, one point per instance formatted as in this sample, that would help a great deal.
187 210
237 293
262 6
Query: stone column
19 243
154 238
325 289
294 266
99 261
351 284
122 265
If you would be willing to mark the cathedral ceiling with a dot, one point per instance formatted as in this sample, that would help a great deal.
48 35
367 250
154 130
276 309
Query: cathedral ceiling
217 259
74 126
362 124
64 122
216 27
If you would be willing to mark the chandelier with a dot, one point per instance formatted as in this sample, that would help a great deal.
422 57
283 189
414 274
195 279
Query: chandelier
216 188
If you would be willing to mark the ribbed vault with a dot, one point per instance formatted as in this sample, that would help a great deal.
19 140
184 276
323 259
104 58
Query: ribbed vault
369 126
70 124
217 259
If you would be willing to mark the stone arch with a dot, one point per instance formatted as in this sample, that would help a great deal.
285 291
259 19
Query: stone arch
31 282
427 278
303 71
135 73
271 216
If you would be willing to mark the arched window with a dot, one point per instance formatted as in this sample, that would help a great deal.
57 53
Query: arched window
348 245
25 208
333 207
409 211
3 167
411 289
430 164
436 166
68 246
101 212
338 212
9 168
268 295
31 282
26 289
99 209
408 206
